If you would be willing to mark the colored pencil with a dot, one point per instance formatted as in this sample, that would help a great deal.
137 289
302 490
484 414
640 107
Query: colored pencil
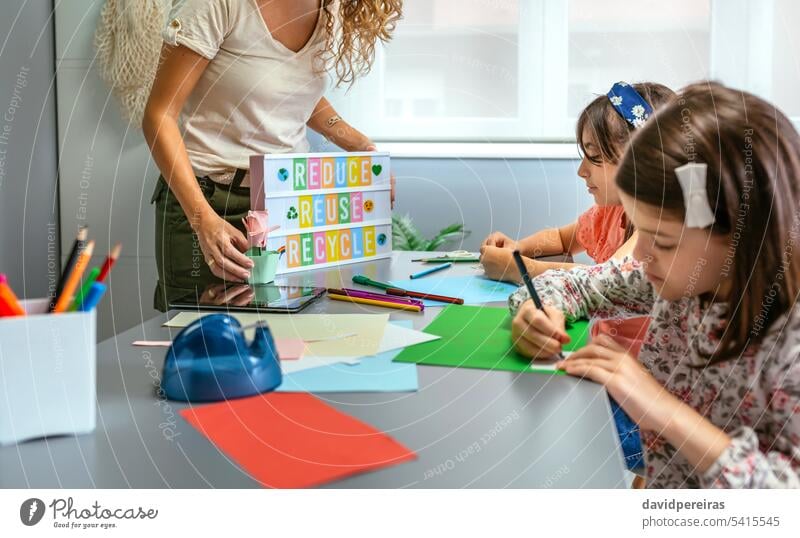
93 297
373 302
419 295
109 263
426 272
77 246
392 290
5 310
87 285
74 278
364 281
376 296
368 295
9 304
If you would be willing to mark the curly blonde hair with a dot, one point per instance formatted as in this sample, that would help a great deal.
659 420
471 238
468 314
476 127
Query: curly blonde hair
350 50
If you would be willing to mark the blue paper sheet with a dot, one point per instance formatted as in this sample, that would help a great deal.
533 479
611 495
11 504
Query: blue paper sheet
473 289
372 374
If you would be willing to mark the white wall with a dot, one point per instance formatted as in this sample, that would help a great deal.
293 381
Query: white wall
28 174
106 173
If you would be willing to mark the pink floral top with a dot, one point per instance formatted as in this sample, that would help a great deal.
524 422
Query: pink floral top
755 398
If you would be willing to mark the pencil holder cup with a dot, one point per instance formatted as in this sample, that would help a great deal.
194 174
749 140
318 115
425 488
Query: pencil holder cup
265 265
48 374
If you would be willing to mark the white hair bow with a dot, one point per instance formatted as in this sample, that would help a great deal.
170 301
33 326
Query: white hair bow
692 177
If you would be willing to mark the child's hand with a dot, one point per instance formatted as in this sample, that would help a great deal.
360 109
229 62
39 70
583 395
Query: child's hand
604 361
501 240
537 335
498 264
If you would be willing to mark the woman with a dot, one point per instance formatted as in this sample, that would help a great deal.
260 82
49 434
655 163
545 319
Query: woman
246 77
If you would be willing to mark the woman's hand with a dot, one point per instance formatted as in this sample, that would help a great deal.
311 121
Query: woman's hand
501 240
223 246
537 335
498 264
604 361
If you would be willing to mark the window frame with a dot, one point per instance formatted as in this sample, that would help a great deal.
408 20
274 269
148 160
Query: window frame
736 28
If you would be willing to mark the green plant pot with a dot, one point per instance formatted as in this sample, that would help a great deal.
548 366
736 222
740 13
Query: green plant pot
266 265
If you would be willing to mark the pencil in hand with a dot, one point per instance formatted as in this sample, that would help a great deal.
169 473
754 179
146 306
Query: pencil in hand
526 278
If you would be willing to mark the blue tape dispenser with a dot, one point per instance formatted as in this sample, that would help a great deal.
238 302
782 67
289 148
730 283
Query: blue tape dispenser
210 360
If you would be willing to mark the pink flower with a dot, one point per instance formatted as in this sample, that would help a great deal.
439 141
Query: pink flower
256 223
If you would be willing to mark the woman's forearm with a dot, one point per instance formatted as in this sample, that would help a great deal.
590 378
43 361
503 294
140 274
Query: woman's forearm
329 124
169 153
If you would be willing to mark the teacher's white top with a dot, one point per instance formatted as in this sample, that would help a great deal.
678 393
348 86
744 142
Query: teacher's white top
255 96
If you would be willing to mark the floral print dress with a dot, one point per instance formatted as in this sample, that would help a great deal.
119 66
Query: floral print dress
754 398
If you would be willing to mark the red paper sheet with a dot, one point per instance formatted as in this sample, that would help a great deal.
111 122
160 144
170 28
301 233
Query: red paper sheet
294 440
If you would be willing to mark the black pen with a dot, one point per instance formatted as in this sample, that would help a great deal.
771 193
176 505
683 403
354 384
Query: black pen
526 278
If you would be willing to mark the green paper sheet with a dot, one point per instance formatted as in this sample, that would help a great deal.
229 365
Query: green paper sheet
480 337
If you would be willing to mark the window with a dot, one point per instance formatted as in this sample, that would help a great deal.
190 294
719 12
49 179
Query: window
448 62
785 77
666 42
521 70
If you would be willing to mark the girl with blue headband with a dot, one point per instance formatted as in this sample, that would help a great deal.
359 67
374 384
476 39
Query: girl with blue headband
603 130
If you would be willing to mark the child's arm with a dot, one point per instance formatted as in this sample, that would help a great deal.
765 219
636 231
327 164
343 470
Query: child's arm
537 267
550 242
568 238
498 264
614 289
775 462
734 459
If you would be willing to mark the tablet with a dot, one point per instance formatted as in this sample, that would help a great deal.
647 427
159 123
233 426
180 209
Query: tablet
266 298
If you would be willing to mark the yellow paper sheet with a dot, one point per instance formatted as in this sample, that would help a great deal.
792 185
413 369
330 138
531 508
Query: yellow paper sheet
366 328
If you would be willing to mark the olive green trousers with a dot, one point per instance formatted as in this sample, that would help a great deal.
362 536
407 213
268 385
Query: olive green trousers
182 269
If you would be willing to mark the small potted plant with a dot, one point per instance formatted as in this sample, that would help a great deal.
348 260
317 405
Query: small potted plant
265 261
406 236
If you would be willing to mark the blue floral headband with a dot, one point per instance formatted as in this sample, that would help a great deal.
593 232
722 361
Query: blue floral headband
629 104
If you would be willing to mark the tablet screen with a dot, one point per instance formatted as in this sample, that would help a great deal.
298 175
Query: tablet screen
244 297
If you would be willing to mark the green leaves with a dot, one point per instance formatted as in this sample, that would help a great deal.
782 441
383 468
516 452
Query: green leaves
406 236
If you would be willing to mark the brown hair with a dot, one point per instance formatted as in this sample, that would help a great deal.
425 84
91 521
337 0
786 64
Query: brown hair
350 50
610 131
753 156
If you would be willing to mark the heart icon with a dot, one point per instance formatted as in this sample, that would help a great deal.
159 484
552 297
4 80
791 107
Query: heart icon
376 169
